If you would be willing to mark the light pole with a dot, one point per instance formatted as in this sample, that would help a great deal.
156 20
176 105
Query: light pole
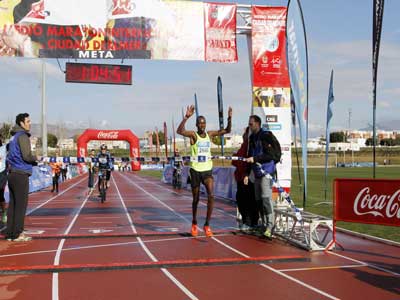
44 121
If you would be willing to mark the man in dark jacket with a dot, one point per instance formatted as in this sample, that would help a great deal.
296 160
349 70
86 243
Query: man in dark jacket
20 160
264 153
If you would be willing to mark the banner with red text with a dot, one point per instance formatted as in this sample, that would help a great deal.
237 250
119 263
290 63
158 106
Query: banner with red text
220 32
271 85
269 47
146 29
372 201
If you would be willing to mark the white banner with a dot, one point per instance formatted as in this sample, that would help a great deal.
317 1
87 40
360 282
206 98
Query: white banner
278 120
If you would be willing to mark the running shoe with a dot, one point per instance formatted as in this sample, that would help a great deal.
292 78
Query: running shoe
22 238
207 231
194 231
245 228
268 233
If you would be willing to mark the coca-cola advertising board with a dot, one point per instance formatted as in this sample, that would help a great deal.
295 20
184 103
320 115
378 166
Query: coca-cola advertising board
372 201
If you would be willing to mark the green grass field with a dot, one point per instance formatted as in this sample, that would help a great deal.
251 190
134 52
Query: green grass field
316 202
316 195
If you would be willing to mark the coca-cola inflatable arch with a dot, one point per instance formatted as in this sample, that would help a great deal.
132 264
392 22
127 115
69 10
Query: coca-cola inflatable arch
110 135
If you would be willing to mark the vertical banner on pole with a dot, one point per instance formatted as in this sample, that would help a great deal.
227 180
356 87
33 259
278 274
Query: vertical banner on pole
271 85
157 143
297 58
376 39
220 112
329 114
173 135
196 106
184 139
165 139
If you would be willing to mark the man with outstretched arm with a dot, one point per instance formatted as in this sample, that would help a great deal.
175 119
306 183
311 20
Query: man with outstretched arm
264 153
201 163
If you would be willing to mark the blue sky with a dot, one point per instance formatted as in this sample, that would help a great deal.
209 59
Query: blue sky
339 37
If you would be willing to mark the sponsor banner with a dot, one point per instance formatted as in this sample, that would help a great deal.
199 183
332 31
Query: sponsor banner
224 180
278 120
269 47
107 135
297 59
220 32
372 201
107 29
271 97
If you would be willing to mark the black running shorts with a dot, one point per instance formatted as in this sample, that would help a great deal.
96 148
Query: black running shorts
199 177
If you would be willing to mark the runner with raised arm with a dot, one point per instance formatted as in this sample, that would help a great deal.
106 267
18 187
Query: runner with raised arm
201 164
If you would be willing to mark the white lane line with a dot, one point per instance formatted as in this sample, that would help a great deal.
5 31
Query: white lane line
362 262
52 198
55 284
103 246
330 252
152 257
323 268
157 199
202 202
276 271
302 283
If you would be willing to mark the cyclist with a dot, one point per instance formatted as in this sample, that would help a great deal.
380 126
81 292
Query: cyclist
177 166
107 165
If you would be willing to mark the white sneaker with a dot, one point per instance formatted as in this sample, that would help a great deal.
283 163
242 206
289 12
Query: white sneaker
22 238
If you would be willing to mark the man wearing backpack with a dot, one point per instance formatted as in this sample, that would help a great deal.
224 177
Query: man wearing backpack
264 154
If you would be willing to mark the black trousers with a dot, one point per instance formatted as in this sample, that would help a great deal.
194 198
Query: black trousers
56 178
18 185
246 203
91 178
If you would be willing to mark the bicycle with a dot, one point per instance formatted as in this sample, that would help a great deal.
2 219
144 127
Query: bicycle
177 178
103 184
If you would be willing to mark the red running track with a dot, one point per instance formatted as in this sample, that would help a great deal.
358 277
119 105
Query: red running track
136 246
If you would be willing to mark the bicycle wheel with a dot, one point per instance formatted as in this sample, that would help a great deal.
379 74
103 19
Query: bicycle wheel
179 181
102 191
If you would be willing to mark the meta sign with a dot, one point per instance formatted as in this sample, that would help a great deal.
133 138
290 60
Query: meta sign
371 201
98 73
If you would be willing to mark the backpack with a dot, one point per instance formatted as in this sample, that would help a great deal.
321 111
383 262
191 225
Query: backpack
275 145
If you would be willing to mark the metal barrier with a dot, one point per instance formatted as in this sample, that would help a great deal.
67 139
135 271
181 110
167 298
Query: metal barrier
310 231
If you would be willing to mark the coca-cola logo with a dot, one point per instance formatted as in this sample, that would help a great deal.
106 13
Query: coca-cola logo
111 135
377 205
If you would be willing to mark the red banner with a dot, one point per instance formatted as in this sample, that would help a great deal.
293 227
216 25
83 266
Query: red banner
372 201
269 47
220 32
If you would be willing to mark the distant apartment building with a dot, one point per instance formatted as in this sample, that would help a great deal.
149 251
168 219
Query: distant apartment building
381 134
